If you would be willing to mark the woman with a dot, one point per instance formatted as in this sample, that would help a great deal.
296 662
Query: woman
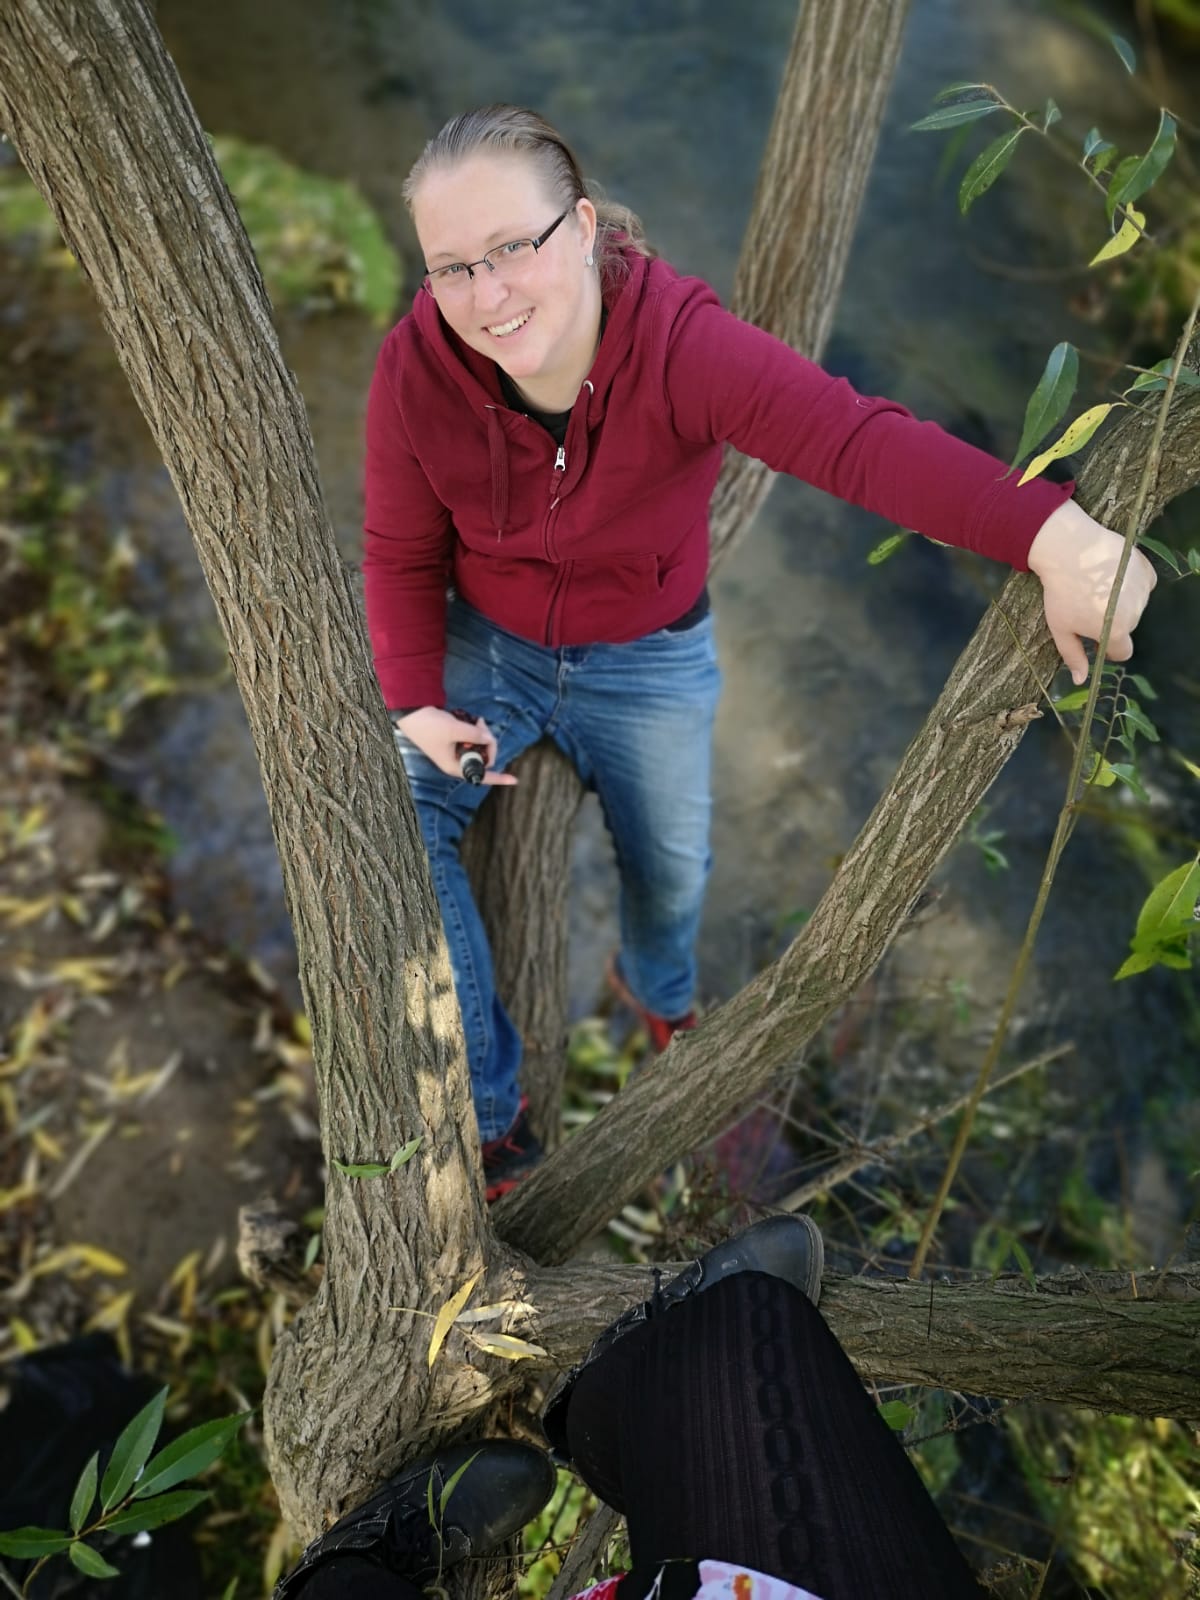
544 432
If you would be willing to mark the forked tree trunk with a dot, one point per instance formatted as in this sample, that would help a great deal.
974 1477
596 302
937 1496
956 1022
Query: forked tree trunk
95 109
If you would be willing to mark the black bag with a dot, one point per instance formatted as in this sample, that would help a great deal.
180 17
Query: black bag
65 1403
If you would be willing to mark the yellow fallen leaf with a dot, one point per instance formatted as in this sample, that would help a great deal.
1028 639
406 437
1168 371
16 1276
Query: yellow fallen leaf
113 1317
29 824
498 1308
75 909
13 1197
173 974
445 1317
280 1548
19 913
23 1335
47 1144
504 1344
86 1257
93 976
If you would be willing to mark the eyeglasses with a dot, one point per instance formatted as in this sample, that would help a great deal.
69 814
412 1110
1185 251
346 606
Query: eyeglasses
446 283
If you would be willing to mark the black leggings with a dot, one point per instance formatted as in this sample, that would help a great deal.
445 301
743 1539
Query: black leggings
732 1427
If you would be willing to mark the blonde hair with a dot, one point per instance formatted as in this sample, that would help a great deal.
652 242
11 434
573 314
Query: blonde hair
513 130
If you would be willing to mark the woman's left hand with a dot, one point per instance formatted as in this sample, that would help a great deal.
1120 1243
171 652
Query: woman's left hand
1076 559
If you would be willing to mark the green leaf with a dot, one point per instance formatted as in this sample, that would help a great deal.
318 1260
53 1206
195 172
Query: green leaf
1076 436
1101 773
85 1493
1147 169
1021 1256
190 1453
1162 551
1104 159
1125 50
26 1543
1140 961
952 116
312 1252
1134 715
1126 236
1116 183
960 88
452 1484
1074 701
1094 144
90 1561
231 1590
131 1450
1127 773
1193 559
896 1414
154 1513
1049 401
1143 686
1170 907
887 547
986 168
361 1169
405 1153
1051 115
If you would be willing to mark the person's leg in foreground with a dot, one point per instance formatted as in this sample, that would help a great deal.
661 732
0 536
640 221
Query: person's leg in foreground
727 1424
388 1549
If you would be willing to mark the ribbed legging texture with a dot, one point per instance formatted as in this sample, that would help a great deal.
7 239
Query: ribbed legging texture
732 1427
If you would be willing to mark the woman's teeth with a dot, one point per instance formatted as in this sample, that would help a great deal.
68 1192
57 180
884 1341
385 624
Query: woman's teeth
503 329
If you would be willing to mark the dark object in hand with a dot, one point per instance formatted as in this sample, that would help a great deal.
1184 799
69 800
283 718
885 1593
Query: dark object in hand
472 758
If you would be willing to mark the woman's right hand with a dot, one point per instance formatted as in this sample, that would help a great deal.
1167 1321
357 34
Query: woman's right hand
436 733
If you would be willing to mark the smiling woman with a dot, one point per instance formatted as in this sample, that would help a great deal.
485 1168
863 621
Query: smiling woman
544 432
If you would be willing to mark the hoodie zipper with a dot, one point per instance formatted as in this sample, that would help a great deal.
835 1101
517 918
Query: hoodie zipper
560 466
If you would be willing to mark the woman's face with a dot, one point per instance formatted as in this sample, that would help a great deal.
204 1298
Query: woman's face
536 321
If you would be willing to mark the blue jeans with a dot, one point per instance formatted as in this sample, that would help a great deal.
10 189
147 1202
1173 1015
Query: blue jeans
635 720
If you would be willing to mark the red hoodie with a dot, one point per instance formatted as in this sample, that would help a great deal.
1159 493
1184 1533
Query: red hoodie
607 539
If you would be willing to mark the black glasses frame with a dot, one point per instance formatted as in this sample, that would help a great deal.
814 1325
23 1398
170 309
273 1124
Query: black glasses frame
439 272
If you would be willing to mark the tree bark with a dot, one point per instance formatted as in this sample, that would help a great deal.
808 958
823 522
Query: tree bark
96 111
1110 1341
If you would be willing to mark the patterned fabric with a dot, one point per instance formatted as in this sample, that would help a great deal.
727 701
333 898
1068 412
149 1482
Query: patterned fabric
718 1581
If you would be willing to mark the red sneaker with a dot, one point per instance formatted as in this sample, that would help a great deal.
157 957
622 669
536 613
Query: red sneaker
661 1030
511 1157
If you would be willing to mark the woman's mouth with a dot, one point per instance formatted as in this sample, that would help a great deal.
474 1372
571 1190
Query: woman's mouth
505 330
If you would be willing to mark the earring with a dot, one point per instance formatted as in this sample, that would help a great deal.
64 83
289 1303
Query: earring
588 261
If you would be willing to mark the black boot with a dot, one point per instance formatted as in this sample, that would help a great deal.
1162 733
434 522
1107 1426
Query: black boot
787 1247
504 1486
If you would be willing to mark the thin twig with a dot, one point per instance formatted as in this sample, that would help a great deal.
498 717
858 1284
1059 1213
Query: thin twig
1066 817
870 1155
9 1583
584 1552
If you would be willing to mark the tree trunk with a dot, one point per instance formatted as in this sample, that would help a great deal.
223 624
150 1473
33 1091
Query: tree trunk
1110 1341
96 111
811 183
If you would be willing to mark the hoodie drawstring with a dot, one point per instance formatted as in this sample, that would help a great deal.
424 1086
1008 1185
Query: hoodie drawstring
498 451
